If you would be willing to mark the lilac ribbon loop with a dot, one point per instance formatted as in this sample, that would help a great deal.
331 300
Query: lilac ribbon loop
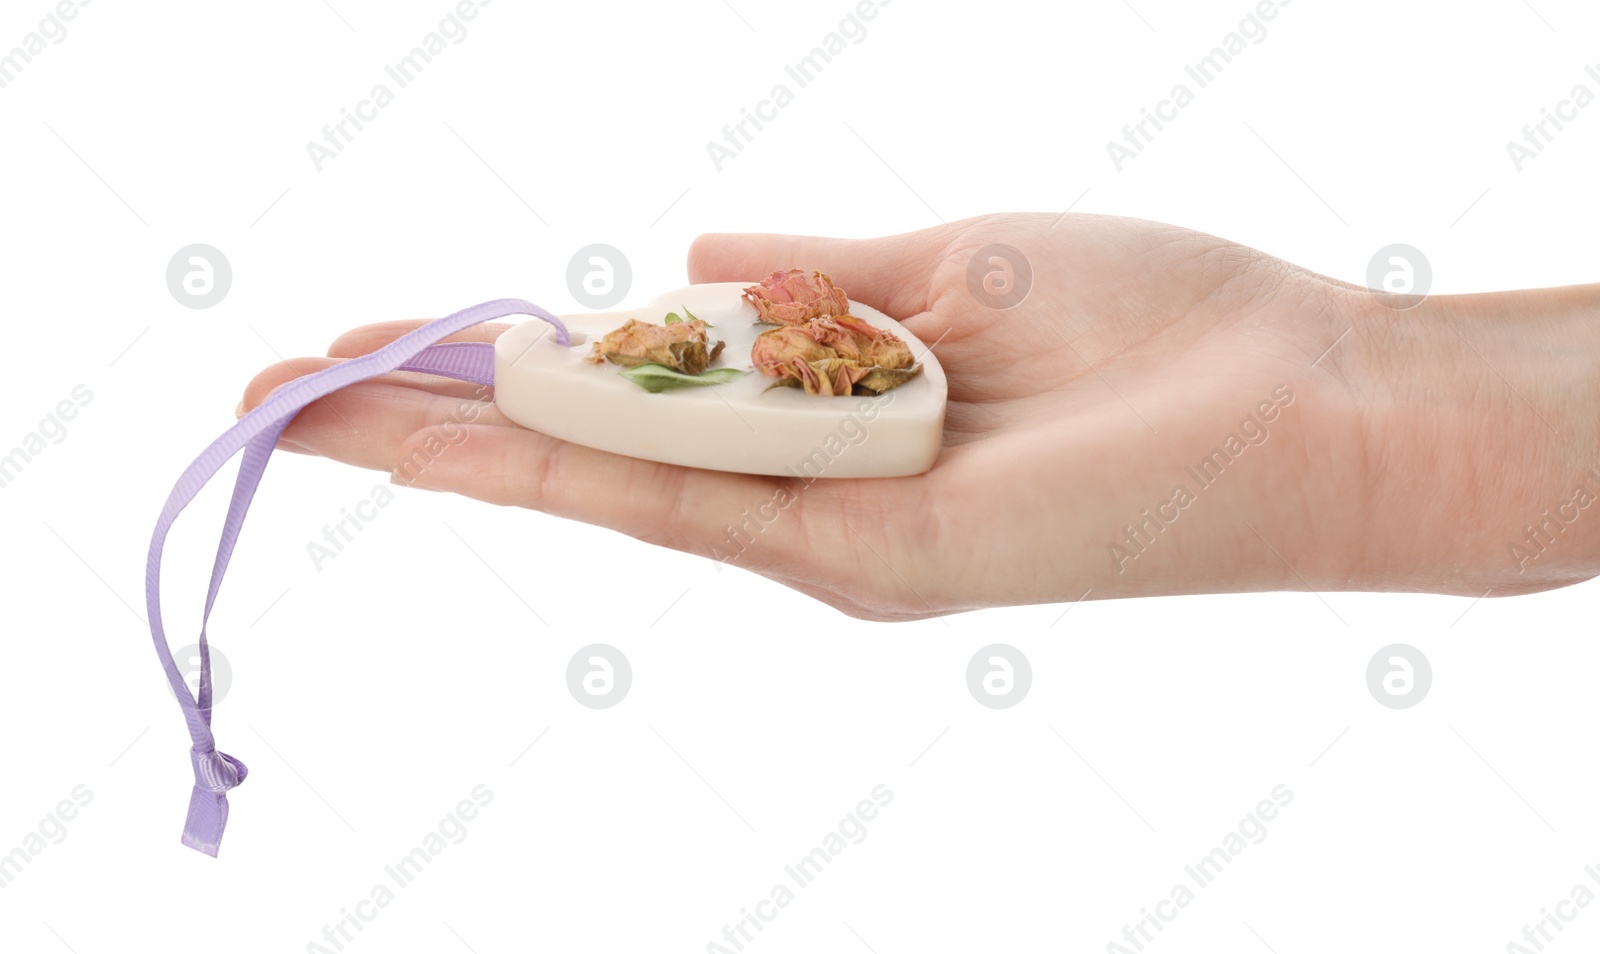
256 434
463 360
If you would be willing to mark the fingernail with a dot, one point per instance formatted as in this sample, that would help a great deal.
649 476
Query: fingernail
239 411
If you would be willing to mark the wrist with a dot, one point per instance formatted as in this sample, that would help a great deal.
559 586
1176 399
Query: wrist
1477 418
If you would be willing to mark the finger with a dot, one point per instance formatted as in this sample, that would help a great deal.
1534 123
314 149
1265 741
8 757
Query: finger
283 372
680 507
892 274
366 423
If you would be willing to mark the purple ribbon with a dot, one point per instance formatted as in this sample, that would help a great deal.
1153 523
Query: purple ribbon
215 773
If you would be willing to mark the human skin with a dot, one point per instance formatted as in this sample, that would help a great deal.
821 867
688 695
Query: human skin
1417 448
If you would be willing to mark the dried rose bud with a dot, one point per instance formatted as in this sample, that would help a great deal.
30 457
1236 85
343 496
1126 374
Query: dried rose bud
778 348
681 346
829 359
856 340
787 298
819 345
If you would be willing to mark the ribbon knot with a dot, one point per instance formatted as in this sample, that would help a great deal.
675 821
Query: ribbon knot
216 772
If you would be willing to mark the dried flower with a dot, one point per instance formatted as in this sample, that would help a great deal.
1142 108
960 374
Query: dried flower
834 357
787 298
819 345
679 345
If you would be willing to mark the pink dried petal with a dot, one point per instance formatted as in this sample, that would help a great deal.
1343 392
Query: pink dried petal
790 297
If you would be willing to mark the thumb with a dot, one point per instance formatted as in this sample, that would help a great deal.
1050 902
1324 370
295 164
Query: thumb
892 274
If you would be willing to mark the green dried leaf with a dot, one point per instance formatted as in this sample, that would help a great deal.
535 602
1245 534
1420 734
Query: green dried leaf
693 318
879 380
656 378
672 317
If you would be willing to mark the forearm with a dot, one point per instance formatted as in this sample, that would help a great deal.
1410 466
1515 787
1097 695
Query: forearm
1476 458
1451 447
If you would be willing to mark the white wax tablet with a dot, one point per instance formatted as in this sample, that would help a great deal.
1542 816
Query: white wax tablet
741 425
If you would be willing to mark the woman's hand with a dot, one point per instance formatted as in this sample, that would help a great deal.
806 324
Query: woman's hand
1162 412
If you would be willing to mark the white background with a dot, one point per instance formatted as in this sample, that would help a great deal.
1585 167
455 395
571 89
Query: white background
368 698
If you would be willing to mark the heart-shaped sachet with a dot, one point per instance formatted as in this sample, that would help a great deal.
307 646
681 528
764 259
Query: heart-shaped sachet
739 420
